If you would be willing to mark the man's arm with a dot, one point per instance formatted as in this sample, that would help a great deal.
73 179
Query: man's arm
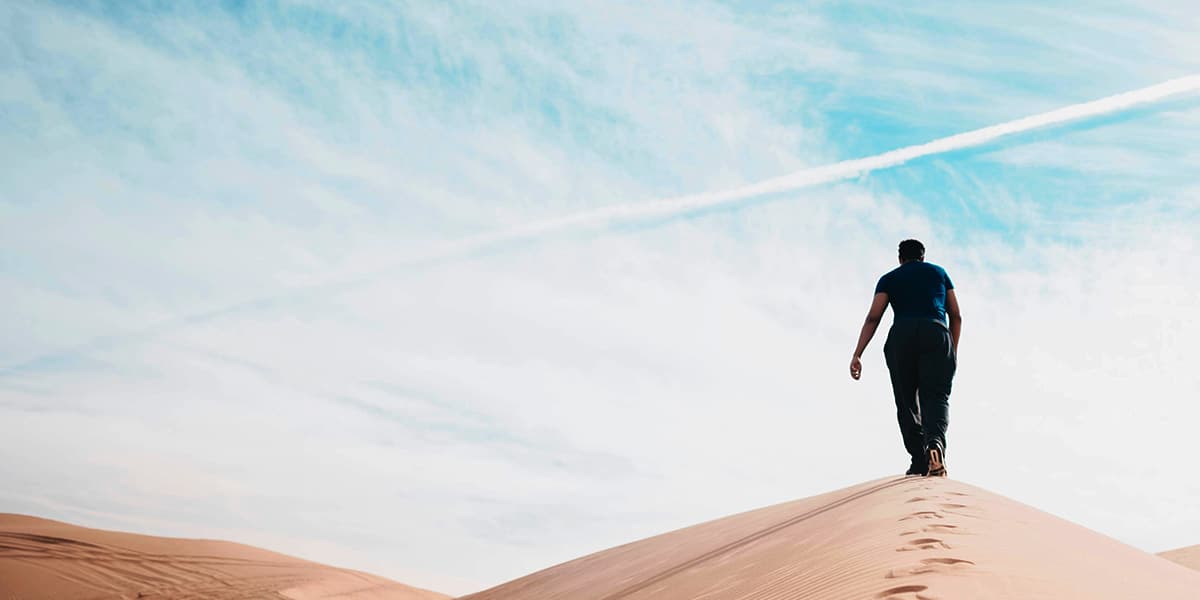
955 319
874 316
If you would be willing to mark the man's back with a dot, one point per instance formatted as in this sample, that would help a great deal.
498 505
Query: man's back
921 352
916 290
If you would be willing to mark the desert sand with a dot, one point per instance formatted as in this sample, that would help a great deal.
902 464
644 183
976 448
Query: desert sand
42 559
893 539
1188 557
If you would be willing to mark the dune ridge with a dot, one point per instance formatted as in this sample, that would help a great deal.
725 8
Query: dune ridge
899 538
44 559
892 539
1188 557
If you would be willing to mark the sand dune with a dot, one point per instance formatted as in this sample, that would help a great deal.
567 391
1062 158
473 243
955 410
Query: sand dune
42 559
1188 557
892 539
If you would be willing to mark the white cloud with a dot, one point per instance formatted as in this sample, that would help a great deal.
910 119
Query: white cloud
456 424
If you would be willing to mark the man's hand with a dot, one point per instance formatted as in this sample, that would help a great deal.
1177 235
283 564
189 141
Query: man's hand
856 367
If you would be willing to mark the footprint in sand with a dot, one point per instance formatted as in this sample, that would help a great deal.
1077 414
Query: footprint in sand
924 514
943 528
931 565
926 543
928 498
948 561
906 592
960 510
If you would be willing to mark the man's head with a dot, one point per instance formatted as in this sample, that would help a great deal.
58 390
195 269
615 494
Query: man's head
911 250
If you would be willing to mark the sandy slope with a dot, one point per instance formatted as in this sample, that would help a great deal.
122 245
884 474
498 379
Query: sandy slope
1188 557
41 559
897 539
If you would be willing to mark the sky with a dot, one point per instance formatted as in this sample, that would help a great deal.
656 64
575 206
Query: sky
245 295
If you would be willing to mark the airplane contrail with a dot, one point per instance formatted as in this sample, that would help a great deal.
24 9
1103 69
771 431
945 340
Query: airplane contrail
847 169
675 206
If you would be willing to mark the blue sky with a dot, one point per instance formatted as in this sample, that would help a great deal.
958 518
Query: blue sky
216 325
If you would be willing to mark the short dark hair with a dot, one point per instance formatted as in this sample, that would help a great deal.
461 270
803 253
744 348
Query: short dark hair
912 250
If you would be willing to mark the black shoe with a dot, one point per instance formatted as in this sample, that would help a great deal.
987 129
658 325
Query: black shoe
917 467
937 461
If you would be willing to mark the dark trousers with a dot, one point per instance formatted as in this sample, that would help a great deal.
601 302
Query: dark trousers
921 360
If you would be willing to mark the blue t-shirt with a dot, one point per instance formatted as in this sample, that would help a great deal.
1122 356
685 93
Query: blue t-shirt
916 290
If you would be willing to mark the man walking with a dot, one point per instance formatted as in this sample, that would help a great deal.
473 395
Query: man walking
921 352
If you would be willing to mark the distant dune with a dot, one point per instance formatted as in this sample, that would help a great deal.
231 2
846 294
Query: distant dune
894 539
1188 557
42 559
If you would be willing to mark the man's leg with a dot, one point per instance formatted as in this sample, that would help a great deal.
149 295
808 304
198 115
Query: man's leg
901 353
937 367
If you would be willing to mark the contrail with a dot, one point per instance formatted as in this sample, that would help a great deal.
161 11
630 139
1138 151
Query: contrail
848 169
671 207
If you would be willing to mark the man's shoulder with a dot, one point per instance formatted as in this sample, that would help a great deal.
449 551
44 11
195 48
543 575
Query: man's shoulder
886 282
941 274
889 275
918 271
936 267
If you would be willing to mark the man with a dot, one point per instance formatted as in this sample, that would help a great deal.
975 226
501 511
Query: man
921 352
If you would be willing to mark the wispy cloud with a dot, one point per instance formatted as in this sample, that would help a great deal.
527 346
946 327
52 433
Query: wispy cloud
662 209
168 172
